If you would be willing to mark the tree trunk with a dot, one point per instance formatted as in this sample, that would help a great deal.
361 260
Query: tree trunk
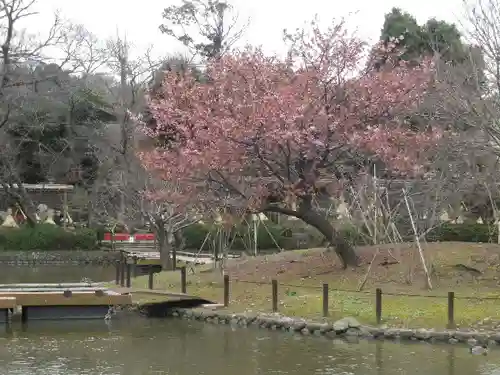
165 249
343 248
172 250
178 245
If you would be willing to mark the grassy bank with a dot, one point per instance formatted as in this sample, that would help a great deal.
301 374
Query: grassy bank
469 270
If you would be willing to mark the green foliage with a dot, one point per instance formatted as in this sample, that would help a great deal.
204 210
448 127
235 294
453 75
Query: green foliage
292 234
445 38
268 235
398 23
195 234
466 232
433 37
297 235
423 40
353 234
46 237
211 25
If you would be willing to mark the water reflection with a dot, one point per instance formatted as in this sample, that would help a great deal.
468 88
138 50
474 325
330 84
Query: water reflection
378 358
451 360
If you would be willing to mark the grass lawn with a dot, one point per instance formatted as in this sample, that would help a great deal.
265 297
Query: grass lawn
469 270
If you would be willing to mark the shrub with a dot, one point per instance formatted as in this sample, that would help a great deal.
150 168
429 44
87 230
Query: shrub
466 232
295 234
299 235
195 234
269 235
47 237
292 234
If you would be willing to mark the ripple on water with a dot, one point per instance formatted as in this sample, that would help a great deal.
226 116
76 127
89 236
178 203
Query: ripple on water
185 348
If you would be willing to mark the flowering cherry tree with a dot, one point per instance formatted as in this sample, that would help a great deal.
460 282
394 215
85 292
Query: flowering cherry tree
267 131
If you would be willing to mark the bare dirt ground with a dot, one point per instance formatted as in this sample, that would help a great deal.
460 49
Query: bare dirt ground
452 265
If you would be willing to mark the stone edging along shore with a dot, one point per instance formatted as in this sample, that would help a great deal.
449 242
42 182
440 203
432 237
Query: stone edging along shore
347 328
70 257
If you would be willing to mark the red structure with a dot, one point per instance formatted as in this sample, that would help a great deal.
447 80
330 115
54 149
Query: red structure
126 237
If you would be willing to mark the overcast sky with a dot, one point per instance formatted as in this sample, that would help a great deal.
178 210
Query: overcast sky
140 19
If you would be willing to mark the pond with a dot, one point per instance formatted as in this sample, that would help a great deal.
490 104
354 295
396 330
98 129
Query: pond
139 346
174 347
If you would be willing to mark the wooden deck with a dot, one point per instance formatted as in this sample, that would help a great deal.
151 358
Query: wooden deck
59 299
68 301
77 294
7 302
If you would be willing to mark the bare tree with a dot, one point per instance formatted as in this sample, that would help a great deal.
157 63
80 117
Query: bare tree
123 189
169 213
483 106
483 29
215 22
19 50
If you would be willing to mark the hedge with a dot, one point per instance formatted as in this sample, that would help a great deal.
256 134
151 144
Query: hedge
47 237
292 235
287 235
466 232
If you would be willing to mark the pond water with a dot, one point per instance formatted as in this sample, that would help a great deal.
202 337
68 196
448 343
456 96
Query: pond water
174 347
138 346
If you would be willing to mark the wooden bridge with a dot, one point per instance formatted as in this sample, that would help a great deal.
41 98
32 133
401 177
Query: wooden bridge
141 249
144 253
147 258
170 300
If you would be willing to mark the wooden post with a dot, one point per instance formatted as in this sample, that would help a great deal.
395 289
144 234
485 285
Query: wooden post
65 208
135 266
378 305
226 290
274 284
117 275
451 309
150 277
24 314
122 272
183 280
325 300
129 271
